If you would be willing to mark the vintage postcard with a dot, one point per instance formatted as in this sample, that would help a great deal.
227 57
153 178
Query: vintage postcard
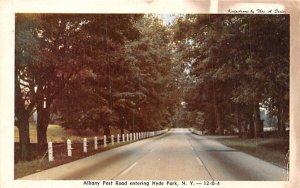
149 93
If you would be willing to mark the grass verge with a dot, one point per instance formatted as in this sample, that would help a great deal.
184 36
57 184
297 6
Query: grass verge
56 133
273 150
24 168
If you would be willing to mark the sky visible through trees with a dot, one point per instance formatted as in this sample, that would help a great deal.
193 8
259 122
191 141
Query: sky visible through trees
148 72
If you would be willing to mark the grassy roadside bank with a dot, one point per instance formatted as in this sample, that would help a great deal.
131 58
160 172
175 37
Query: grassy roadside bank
24 168
273 150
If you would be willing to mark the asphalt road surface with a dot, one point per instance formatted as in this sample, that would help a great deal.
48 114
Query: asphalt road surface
176 155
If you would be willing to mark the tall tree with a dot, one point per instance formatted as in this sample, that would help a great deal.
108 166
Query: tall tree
100 79
59 37
26 59
154 74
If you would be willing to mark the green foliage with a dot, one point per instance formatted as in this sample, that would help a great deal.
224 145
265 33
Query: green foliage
149 59
125 76
239 61
92 97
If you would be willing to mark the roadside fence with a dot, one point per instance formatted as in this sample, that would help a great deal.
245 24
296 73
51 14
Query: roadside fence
96 143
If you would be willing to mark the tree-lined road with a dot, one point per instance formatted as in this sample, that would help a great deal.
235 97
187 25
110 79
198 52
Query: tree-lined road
176 155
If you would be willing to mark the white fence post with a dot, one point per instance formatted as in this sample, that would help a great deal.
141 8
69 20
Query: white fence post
95 143
50 151
123 138
130 136
127 136
104 141
134 136
84 145
69 148
112 139
118 138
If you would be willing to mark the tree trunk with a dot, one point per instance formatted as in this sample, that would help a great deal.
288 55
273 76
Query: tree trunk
257 122
24 137
95 127
121 117
106 130
260 125
212 124
217 116
43 117
281 126
42 134
133 128
22 120
238 121
251 132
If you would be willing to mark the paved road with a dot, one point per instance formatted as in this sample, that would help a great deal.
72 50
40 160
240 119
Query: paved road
176 155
